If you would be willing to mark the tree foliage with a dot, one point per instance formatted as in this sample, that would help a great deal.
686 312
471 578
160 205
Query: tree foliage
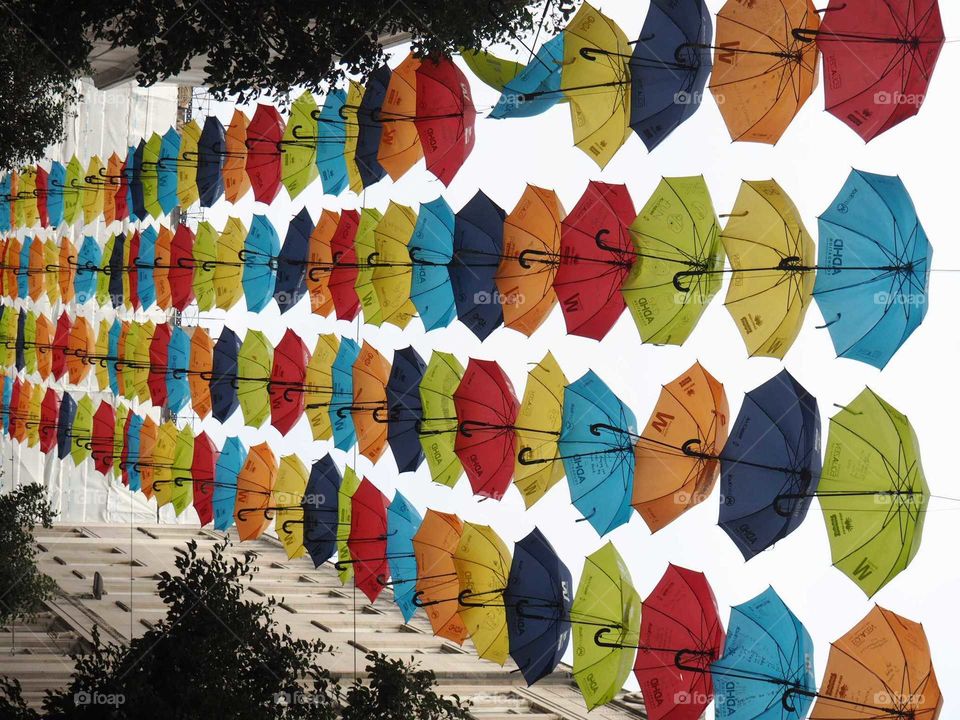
23 588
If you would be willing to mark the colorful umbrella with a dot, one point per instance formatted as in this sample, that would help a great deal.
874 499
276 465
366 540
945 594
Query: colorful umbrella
477 249
331 135
431 251
299 156
538 427
370 127
482 563
162 261
368 538
400 146
437 582
371 371
288 378
527 90
204 263
180 274
254 368
318 389
143 262
440 381
343 275
288 494
167 176
223 392
227 271
203 471
236 183
405 409
403 522
291 284
187 190
255 483
341 399
344 565
320 511
392 267
319 263
178 367
264 135
260 250
365 245
445 116
232 458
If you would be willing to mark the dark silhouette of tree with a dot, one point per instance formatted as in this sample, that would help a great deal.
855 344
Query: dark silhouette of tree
23 588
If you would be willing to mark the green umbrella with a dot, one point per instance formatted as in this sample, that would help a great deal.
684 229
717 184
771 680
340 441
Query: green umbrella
366 245
205 265
103 276
437 430
606 605
82 430
254 364
679 261
149 176
872 491
181 495
299 146
351 481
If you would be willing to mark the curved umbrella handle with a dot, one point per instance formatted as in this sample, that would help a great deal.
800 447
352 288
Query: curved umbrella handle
600 642
313 274
284 526
298 136
379 418
683 275
420 603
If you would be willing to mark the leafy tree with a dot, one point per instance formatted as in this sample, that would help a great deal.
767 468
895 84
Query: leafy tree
23 588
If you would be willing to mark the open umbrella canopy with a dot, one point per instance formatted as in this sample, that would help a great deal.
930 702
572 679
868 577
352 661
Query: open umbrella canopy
341 399
392 267
873 268
49 417
525 90
403 522
770 465
679 261
162 257
232 458
136 202
331 136
180 274
320 510
343 276
677 453
445 116
772 256
371 371
236 183
142 266
159 362
437 583
405 409
66 269
873 492
351 481
254 369
255 483
892 675
178 365
319 386
181 495
482 563
596 445
187 190
82 430
228 271
431 250
260 250
80 345
486 415
767 662
538 600
370 127
204 258
88 260
606 599
101 437
129 276
129 462
881 63
595 258
203 470
287 381
764 66
264 135
365 245
163 473
319 263
680 635
349 120
288 495
400 146
538 426
368 538
477 249
223 392
299 156
441 379
291 284
167 177
210 156
149 434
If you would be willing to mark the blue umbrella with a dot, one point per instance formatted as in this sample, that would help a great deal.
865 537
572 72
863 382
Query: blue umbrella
231 460
477 248
23 277
669 67
5 188
403 521
113 353
137 209
431 250
596 446
56 178
68 411
7 395
116 266
538 598
88 261
258 256
210 156
20 360
405 409
536 88
873 268
133 452
344 434
291 282
223 391
331 138
144 262
320 505
129 172
770 466
370 126
178 362
766 670
167 170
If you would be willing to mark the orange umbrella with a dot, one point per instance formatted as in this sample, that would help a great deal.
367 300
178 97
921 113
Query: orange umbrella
67 270
201 365
400 147
11 265
437 582
45 330
111 187
763 71
36 271
121 355
691 414
531 251
21 414
320 261
162 256
236 183
3 261
254 486
371 371
80 345
880 669
149 434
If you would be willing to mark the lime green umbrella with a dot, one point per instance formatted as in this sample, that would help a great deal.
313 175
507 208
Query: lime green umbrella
227 272
438 428
299 146
71 196
351 481
181 493
121 413
149 176
605 618
679 261
103 277
319 383
204 265
82 430
393 272
30 342
187 191
366 245
872 491
490 69
254 364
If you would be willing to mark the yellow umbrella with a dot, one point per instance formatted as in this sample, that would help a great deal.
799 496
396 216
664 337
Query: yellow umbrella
365 244
93 191
51 259
101 349
352 130
538 429
299 154
482 562
351 481
162 462
254 365
141 356
227 274
287 496
82 430
119 437
71 195
27 202
32 421
187 191
319 381
393 272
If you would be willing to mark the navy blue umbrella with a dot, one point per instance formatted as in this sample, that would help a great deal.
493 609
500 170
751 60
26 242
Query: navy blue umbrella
477 248
405 409
770 466
137 206
210 155
669 67
20 359
223 390
320 510
371 126
115 264
291 284
538 598
68 410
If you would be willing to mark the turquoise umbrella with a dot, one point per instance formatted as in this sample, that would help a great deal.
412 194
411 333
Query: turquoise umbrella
341 399
331 138
431 250
536 88
146 256
403 522
259 258
88 262
132 468
167 171
178 362
231 460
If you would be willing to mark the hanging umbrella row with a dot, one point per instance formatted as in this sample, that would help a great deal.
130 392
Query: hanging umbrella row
761 64
870 276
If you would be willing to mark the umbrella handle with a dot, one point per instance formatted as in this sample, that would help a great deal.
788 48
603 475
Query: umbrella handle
523 259
421 604
287 397
379 418
600 642
372 259
180 263
313 274
287 530
523 457
682 275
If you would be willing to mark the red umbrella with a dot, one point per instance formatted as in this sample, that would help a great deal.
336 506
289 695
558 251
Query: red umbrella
60 339
13 412
133 272
203 471
596 255
157 376
49 414
445 117
287 379
368 538
125 451
343 277
42 182
181 268
878 59
680 635
264 134
487 408
120 197
101 440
